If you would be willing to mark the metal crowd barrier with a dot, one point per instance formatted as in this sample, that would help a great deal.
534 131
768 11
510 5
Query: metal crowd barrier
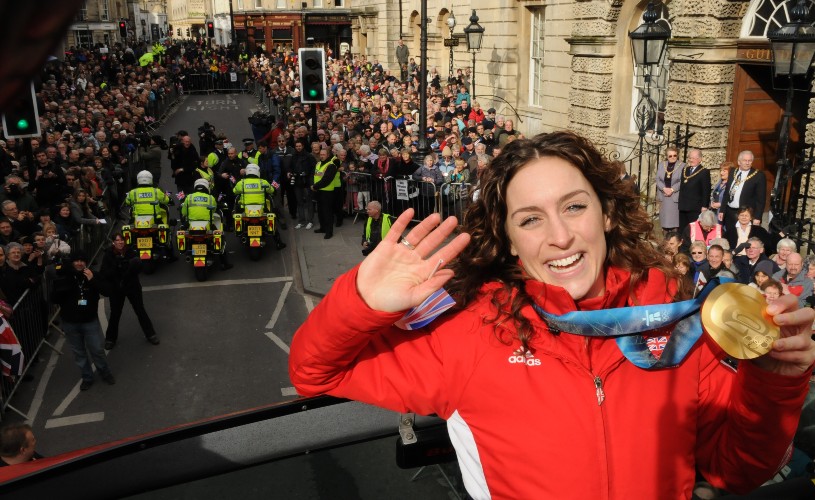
257 89
395 194
34 313
156 111
30 324
93 239
207 83
454 199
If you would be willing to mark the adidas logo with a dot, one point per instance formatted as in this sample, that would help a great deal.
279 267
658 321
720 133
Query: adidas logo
524 357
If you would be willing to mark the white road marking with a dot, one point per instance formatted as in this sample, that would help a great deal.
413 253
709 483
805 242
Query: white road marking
309 303
255 281
36 403
75 420
277 340
68 399
288 391
279 307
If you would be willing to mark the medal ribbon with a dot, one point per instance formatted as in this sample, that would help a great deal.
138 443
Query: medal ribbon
631 326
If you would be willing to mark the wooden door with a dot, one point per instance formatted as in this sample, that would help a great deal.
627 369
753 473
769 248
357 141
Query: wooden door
755 119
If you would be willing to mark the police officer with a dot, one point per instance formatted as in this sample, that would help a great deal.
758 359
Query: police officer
252 190
202 206
326 181
204 171
250 154
147 200
217 156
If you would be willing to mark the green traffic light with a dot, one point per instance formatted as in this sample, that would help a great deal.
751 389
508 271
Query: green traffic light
312 93
22 124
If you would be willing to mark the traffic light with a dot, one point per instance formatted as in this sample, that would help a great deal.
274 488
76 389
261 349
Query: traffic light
312 75
21 118
188 32
123 29
179 31
210 29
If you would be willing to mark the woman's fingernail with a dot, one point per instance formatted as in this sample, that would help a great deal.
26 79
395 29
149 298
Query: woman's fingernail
779 345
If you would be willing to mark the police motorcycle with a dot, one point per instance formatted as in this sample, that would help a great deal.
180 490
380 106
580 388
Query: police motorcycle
201 240
254 221
149 229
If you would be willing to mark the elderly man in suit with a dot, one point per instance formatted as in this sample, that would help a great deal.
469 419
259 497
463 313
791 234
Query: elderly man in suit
746 187
694 192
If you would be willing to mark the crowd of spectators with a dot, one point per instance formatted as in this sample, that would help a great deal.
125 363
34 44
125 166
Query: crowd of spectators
370 123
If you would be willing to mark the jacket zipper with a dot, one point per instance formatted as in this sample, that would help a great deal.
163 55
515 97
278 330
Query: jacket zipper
598 390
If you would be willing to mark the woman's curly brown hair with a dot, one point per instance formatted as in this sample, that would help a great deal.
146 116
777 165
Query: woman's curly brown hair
488 259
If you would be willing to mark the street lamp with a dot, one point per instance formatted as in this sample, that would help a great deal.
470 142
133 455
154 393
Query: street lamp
451 23
793 46
474 33
423 147
648 43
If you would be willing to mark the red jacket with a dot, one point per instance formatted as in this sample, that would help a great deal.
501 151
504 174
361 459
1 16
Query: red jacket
535 426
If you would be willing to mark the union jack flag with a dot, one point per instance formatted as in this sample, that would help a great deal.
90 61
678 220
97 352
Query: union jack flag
11 353
180 195
656 345
232 179
275 184
427 311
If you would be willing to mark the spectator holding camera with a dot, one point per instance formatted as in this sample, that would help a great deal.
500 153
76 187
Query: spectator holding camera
55 247
23 222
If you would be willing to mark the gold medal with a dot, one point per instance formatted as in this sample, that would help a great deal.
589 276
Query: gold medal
734 315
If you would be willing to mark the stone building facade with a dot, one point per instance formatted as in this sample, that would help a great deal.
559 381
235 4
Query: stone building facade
558 64
97 22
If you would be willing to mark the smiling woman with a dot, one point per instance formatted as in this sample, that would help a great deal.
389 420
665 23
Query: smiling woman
550 378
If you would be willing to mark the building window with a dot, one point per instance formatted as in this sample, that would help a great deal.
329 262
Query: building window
281 4
536 52
258 4
105 13
317 4
767 15
240 5
658 88
339 3
84 39
82 14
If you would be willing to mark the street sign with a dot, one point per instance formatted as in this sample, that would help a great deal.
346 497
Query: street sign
451 42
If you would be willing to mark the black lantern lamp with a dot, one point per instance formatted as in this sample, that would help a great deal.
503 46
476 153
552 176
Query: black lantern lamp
648 41
793 47
794 44
475 34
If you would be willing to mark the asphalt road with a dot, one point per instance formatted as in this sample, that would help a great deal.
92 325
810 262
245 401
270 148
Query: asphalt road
224 348
223 342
